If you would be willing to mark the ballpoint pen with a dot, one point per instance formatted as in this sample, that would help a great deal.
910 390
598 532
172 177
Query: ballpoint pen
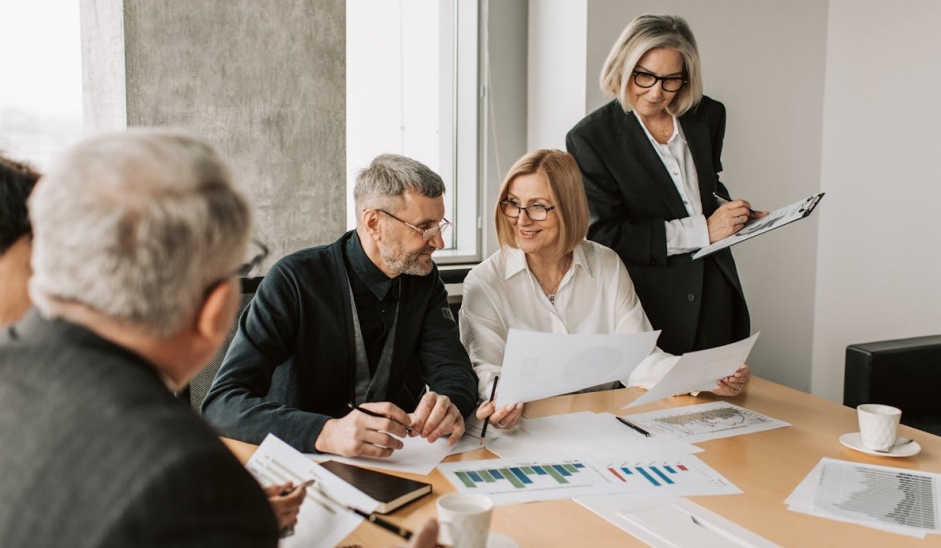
372 518
634 426
723 200
377 415
493 392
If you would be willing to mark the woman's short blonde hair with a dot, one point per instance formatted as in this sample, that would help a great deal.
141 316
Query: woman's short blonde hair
641 35
566 192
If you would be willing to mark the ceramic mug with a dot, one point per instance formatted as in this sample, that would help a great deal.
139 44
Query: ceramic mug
464 520
877 425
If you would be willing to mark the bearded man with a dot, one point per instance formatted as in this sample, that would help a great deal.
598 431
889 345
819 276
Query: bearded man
349 347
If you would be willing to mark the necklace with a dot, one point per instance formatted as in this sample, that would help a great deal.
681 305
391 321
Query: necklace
554 290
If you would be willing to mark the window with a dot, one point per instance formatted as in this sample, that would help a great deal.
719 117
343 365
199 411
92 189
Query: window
412 90
41 71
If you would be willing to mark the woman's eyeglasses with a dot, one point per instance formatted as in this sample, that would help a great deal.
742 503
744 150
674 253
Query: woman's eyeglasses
535 212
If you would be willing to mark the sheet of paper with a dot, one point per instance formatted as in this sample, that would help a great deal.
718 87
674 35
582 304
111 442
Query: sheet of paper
542 365
891 499
755 227
321 523
669 523
417 456
699 371
470 441
598 434
705 421
512 481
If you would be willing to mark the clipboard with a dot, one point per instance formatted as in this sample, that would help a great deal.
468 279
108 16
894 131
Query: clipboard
756 227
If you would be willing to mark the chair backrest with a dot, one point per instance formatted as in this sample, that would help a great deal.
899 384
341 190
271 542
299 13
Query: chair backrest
453 279
904 373
196 391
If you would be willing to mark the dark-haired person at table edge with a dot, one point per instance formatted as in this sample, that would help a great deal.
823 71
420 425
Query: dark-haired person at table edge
650 160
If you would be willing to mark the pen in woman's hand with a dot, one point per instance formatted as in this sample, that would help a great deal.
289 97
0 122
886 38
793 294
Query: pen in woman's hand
493 392
723 200
377 415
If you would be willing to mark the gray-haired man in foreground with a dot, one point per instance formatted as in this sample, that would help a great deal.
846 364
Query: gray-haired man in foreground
138 238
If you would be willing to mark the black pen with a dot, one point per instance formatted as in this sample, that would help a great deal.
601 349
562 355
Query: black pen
493 392
377 415
387 525
634 426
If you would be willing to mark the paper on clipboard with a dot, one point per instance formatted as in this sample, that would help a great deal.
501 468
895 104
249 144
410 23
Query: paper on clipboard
756 227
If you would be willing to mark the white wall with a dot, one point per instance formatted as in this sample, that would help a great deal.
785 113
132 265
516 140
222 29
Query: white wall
878 266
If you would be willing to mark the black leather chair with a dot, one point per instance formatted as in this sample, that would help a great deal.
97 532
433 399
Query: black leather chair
196 390
453 278
904 373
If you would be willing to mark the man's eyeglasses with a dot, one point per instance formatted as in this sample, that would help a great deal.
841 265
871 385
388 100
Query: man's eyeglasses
259 252
535 212
667 83
427 234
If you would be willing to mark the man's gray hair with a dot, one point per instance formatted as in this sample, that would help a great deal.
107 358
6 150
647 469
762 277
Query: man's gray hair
380 186
136 226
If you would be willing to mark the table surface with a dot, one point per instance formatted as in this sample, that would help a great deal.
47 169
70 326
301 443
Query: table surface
767 466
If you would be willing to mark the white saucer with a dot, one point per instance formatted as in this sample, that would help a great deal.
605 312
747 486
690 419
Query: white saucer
496 540
853 440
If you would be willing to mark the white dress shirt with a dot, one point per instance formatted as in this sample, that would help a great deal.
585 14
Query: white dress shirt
690 233
596 296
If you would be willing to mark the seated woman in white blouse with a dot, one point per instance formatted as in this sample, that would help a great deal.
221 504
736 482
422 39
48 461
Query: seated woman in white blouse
548 278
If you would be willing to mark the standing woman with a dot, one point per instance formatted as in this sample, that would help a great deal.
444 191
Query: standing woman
650 161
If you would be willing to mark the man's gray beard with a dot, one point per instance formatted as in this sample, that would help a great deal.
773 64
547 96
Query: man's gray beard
398 261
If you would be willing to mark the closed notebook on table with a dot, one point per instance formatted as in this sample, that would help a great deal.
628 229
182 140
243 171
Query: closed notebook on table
391 491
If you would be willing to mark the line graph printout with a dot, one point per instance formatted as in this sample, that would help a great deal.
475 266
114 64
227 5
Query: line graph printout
706 421
892 499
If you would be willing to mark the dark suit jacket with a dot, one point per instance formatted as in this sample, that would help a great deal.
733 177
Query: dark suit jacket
630 195
96 452
292 364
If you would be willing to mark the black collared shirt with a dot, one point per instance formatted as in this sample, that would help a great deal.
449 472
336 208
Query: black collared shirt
376 296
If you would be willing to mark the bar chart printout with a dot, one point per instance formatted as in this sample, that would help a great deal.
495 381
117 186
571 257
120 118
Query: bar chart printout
705 421
509 481
867 493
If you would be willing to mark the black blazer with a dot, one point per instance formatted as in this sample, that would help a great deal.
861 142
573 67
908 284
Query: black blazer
630 195
96 452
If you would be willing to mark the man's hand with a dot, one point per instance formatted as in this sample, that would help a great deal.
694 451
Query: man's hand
358 434
436 416
286 507
426 537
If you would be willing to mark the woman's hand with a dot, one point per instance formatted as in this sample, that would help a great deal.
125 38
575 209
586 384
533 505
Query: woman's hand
505 417
286 507
730 218
734 384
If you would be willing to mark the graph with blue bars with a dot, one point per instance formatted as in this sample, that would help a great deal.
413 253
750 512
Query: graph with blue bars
522 476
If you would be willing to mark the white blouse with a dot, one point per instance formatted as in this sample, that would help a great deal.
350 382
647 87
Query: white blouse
596 296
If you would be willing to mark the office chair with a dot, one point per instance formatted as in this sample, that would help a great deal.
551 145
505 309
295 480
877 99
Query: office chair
196 390
453 279
904 373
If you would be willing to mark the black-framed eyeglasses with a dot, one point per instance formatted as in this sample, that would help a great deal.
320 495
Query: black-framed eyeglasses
246 269
667 83
427 234
535 212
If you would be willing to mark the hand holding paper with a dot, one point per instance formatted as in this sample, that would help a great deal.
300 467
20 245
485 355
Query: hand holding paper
699 371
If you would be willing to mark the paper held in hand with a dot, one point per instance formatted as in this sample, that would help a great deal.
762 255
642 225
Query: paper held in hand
542 365
756 227
699 371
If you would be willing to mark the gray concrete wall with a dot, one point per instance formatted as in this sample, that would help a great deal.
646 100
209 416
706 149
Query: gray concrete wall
263 81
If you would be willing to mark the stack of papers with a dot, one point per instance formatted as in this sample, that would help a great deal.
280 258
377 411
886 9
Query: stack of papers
890 499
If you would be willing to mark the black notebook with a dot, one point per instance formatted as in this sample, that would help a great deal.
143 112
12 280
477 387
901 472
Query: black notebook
391 491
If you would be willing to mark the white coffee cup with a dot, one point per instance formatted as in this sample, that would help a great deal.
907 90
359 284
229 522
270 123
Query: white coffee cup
464 520
877 425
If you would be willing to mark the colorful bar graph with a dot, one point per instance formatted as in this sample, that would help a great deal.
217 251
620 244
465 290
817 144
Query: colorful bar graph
648 476
522 476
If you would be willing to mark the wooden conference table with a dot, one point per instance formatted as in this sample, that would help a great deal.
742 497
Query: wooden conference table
767 466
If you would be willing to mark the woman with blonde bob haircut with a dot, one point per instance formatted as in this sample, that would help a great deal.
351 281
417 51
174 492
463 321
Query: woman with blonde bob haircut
546 277
650 161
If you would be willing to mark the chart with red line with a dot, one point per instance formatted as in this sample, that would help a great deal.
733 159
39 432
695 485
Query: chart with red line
707 421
